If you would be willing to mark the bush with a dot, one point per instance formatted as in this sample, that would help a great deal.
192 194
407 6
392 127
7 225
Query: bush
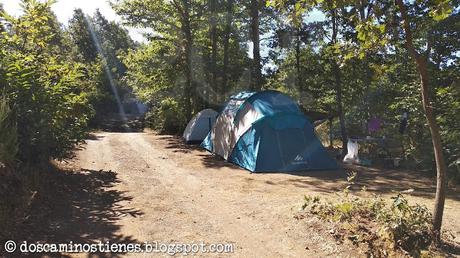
18 191
8 135
13 202
167 118
385 229
47 89
10 190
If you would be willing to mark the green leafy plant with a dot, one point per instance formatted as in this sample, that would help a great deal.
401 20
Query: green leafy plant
8 135
384 228
45 86
167 118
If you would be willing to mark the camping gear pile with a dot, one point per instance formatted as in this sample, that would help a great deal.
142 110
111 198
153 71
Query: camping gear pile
378 150
265 131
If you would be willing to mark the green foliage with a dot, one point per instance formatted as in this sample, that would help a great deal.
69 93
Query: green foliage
8 135
43 83
152 72
378 79
81 36
100 44
441 9
167 118
449 99
181 59
384 228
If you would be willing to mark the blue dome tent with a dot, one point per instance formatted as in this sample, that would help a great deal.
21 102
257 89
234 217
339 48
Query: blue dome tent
266 131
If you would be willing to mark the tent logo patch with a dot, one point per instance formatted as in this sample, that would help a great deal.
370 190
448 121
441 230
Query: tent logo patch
299 160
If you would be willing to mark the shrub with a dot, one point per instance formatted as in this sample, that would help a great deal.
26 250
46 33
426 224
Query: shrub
46 87
8 135
385 228
167 118
10 191
18 191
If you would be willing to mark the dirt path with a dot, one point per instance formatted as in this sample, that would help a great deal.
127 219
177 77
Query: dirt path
161 190
185 195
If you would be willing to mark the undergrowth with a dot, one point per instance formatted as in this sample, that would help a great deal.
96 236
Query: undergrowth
387 228
17 191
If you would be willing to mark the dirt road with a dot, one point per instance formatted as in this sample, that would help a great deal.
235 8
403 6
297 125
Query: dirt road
187 195
154 188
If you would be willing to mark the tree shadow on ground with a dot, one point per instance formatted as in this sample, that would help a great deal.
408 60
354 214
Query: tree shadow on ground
326 181
451 247
210 160
77 206
82 146
177 144
415 183
94 137
376 180
120 123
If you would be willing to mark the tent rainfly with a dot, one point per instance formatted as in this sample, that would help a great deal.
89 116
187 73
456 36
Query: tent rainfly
199 126
266 131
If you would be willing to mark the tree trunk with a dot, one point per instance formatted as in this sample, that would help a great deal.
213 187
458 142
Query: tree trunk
331 139
189 91
213 38
256 78
338 86
368 78
339 95
441 180
228 28
297 60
